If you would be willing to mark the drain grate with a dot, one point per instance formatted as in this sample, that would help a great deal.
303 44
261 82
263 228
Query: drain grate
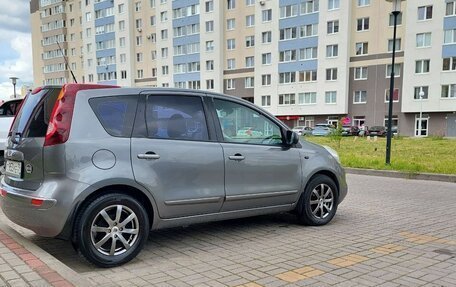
446 252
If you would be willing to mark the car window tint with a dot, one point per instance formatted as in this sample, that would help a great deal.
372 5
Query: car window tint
116 114
176 117
39 118
241 124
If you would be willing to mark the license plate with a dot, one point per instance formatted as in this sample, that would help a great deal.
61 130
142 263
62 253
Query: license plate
13 168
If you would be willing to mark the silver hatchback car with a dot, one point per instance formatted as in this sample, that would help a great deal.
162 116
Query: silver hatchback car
102 166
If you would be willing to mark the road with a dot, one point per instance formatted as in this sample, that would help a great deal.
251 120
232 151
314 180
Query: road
388 232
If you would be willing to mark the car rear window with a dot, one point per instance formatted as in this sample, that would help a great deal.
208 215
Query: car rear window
33 118
116 114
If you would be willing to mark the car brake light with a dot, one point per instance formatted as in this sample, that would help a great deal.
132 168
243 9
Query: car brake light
60 121
37 202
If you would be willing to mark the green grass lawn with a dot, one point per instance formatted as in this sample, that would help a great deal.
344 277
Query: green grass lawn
434 155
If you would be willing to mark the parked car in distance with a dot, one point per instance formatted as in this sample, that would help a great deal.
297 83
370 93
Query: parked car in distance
7 112
323 129
303 131
102 166
376 131
350 130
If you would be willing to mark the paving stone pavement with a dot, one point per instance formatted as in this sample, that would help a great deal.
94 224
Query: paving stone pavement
387 232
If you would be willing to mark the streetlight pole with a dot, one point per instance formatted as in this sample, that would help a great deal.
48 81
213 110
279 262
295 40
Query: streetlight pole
421 94
396 11
14 81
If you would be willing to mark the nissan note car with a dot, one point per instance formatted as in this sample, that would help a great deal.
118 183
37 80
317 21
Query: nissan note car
102 166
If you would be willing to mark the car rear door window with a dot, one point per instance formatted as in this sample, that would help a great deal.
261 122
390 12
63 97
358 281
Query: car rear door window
176 117
116 114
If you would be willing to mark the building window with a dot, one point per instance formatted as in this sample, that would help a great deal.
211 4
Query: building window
331 74
308 76
266 37
266 58
209 46
250 20
266 80
361 73
288 11
249 62
209 84
424 13
449 64
231 64
359 120
417 91
308 53
209 26
123 58
398 19
209 6
154 72
333 4
288 33
422 66
363 24
165 70
361 48
449 91
330 97
195 85
164 34
137 6
265 101
249 82
230 24
230 84
287 78
308 98
163 16
210 65
332 51
362 3
123 74
286 99
164 52
423 40
231 44
140 74
395 95
398 45
394 121
449 36
360 97
397 70
309 6
266 15
249 2
333 27
249 41
450 8
287 56
138 40
231 4
139 57
308 30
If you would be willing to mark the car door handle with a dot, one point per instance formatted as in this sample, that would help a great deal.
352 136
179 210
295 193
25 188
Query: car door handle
148 155
237 156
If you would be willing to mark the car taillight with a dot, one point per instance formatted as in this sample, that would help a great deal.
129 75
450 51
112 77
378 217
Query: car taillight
60 121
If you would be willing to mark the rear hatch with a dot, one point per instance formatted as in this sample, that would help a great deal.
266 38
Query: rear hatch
24 154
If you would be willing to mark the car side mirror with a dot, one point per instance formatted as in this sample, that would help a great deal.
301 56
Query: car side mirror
292 138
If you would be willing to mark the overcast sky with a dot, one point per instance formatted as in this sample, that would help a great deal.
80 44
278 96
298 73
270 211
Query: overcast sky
15 45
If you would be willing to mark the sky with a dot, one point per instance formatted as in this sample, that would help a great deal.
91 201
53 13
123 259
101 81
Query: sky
15 46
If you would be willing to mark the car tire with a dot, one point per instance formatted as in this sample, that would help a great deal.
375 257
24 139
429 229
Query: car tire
111 230
318 203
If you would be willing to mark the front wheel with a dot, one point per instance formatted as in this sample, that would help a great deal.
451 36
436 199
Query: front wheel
318 203
112 230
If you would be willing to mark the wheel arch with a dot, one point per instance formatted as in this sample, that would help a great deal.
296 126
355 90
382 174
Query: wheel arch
142 196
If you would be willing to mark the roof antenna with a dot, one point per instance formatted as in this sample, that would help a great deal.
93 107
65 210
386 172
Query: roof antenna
66 62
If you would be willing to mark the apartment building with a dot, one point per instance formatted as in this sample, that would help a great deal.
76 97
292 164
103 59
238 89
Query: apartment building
305 61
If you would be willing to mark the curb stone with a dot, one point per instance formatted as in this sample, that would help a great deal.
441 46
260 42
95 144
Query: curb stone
400 174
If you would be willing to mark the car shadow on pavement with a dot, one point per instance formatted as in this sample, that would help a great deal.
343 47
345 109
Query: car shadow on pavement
204 237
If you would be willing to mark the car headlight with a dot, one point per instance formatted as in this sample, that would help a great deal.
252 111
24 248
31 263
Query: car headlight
332 152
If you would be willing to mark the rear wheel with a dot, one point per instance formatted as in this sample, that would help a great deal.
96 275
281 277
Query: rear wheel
112 230
318 203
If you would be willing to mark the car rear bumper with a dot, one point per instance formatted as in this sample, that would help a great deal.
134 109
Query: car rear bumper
44 211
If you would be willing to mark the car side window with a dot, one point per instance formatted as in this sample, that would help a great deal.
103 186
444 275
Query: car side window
176 117
241 124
